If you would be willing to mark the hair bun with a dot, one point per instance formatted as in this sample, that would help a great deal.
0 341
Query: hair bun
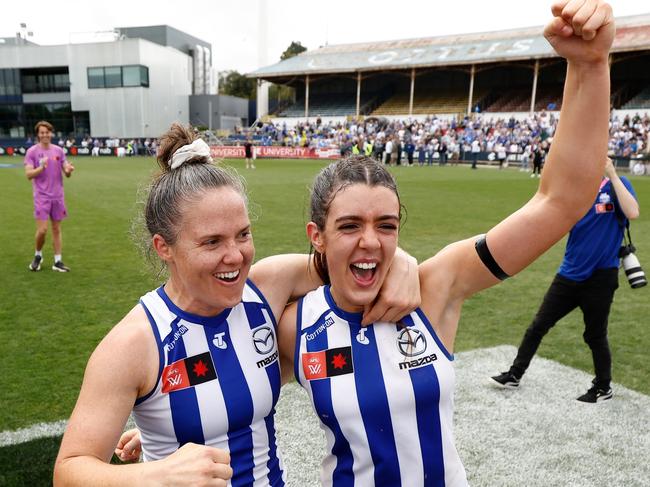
197 149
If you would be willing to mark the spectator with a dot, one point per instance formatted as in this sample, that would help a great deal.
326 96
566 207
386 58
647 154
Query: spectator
587 279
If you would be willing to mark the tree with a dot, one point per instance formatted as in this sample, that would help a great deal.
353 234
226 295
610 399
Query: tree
283 92
294 49
234 83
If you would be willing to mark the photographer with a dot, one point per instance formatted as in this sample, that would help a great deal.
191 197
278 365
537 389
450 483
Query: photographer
587 278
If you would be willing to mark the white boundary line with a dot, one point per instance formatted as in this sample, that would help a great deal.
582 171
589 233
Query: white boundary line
33 432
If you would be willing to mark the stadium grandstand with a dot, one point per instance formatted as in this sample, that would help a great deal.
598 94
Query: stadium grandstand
504 72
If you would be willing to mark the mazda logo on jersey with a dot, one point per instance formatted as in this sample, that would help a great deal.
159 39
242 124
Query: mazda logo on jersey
188 372
263 340
411 342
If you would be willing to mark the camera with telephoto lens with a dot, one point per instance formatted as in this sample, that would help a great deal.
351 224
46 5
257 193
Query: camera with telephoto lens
633 271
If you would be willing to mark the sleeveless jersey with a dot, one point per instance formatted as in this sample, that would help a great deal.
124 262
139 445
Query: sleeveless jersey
218 383
383 394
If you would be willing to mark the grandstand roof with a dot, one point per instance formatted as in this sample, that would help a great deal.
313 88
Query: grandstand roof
633 34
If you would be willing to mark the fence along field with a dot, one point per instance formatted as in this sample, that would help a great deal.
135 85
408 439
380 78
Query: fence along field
50 323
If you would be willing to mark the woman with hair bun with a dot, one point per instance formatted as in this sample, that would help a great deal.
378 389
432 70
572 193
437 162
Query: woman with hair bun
196 360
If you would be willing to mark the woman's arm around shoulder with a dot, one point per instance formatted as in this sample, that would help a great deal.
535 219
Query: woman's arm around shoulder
283 278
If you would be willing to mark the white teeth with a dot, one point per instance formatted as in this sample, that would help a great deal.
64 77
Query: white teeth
227 275
365 265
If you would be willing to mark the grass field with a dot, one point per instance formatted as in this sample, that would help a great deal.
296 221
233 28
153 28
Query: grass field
50 322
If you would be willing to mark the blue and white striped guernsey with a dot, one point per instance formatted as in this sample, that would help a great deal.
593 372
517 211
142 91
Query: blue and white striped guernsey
218 383
383 394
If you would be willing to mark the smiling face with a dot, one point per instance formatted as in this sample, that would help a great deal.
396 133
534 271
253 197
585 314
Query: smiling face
44 135
359 241
211 258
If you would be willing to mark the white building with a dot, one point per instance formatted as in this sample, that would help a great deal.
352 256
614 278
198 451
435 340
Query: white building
135 86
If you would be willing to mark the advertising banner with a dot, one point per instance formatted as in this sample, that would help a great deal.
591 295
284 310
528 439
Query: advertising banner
274 152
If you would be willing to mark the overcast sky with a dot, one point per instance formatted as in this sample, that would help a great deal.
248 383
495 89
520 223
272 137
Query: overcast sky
235 32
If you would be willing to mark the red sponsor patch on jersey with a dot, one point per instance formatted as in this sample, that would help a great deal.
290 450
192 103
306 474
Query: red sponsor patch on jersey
175 377
327 363
188 372
604 207
314 366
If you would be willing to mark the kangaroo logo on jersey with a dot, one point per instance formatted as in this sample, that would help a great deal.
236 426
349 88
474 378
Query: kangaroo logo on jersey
411 342
219 342
263 340
362 338
327 363
188 372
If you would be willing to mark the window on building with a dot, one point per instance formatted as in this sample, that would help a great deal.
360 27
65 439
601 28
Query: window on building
58 114
113 76
11 121
9 83
81 123
118 76
131 75
45 80
144 76
95 77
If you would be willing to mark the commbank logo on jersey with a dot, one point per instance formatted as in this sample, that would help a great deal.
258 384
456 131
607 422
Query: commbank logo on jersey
263 340
327 363
411 342
188 372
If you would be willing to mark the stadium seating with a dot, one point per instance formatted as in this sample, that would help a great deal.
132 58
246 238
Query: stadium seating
547 96
426 104
516 100
640 100
329 106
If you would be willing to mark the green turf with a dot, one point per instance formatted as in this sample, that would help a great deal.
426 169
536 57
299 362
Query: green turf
29 463
50 322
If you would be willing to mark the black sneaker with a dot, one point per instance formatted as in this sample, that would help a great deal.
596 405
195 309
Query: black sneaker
60 267
596 394
506 380
36 263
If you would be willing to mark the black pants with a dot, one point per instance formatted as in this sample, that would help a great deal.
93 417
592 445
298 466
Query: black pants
474 159
594 297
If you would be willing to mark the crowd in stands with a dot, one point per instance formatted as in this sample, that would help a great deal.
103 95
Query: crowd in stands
448 138
424 140
127 147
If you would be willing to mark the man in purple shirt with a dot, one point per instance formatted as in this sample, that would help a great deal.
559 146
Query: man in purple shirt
44 163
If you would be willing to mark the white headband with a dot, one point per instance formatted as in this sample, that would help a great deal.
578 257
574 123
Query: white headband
198 148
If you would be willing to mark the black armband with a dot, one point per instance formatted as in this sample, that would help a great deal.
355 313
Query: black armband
487 259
